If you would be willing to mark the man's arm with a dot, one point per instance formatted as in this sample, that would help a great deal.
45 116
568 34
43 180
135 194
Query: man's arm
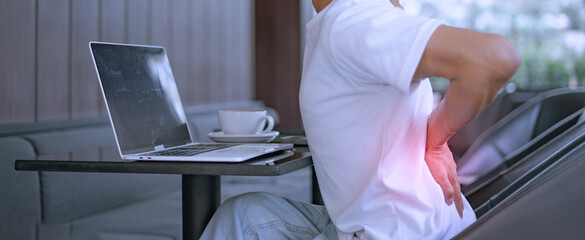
477 66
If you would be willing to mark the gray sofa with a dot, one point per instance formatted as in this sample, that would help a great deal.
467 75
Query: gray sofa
63 205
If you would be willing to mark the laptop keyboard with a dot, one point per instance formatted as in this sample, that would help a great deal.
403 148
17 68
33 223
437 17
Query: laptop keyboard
192 150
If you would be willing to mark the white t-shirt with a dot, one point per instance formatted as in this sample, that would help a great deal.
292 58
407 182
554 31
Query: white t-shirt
366 123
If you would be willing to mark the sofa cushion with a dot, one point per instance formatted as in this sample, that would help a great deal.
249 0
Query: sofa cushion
72 139
19 191
155 218
70 196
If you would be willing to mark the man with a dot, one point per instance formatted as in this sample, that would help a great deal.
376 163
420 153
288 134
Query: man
379 147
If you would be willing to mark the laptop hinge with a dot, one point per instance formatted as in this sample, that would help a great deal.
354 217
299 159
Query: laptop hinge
159 147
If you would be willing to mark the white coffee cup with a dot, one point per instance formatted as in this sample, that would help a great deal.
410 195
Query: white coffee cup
245 121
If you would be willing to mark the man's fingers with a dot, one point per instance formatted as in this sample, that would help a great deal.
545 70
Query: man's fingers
448 191
444 171
459 205
452 193
456 192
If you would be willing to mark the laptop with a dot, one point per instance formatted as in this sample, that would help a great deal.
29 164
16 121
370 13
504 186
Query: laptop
146 112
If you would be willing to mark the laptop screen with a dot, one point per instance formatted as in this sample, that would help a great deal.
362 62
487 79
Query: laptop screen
141 96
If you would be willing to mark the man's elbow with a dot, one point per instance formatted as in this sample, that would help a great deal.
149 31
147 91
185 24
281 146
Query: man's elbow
494 65
506 60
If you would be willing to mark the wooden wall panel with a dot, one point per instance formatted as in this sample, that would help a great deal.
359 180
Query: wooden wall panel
215 57
221 33
53 89
232 42
200 67
85 92
229 45
46 72
278 61
227 52
17 61
178 51
138 21
113 21
241 50
160 30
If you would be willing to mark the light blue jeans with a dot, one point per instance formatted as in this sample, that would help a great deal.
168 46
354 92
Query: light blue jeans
267 216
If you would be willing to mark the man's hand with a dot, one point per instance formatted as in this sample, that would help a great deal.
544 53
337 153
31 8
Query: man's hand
440 161
477 66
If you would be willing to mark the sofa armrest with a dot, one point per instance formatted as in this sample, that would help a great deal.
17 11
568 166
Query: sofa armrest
67 196
19 191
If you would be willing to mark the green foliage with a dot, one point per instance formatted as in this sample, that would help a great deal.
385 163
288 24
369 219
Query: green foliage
556 75
580 70
550 34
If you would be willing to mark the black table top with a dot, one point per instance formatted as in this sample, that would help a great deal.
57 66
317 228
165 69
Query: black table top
269 165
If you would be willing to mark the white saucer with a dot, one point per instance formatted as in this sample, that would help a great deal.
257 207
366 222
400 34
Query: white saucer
243 138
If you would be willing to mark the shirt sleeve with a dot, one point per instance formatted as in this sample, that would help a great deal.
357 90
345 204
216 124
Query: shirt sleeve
381 45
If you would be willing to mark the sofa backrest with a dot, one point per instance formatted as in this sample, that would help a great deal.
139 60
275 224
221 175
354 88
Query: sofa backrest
498 181
66 196
500 107
517 129
547 206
